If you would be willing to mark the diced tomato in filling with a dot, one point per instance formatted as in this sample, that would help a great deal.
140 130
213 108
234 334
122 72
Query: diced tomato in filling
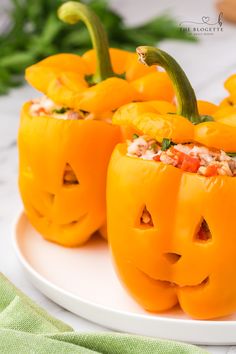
211 170
186 162
188 157
156 158
190 164
180 155
41 110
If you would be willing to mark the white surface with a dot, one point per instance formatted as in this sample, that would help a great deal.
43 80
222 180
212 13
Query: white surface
207 64
70 278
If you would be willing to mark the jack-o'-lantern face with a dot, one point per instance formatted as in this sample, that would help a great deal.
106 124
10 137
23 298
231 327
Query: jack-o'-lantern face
172 235
62 175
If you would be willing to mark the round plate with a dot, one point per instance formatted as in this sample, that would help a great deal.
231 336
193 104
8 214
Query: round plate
83 281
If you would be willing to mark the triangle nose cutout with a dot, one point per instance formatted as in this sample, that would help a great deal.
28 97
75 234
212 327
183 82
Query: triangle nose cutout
172 257
204 233
69 176
146 218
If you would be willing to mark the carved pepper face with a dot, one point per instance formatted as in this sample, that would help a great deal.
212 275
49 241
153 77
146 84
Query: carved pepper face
167 260
62 174
63 163
172 232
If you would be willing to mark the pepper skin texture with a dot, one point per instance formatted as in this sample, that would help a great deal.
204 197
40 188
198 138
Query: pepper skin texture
64 213
146 118
226 113
206 108
166 263
61 77
230 100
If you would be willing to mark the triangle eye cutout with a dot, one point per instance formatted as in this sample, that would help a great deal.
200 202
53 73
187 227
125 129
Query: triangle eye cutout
204 233
146 218
69 176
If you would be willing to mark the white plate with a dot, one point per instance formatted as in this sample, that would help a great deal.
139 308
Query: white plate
83 281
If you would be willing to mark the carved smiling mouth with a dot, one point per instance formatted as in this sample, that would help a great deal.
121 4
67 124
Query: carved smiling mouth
74 223
171 284
70 224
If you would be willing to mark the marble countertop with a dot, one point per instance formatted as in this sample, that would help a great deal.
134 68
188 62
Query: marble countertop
207 63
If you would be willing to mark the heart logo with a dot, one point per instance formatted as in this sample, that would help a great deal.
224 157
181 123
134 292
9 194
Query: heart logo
205 19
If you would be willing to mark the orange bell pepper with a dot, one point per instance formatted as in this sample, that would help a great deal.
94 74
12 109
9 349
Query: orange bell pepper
215 133
186 254
90 83
230 86
226 113
63 163
69 211
64 209
119 78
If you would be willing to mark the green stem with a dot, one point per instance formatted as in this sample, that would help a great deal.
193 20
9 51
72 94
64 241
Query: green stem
71 12
186 99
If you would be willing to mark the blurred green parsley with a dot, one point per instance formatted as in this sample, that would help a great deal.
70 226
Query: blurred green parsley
34 32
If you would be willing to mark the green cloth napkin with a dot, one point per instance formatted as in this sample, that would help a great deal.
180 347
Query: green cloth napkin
25 328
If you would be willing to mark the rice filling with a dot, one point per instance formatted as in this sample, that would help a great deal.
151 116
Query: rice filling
190 157
45 106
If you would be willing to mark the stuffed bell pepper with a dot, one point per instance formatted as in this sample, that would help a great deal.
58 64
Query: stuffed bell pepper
171 199
66 136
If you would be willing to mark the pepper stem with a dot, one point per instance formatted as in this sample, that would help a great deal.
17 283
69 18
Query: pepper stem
186 99
71 12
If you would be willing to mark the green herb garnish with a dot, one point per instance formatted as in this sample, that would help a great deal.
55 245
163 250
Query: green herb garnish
153 146
166 144
61 110
35 32
231 154
135 136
